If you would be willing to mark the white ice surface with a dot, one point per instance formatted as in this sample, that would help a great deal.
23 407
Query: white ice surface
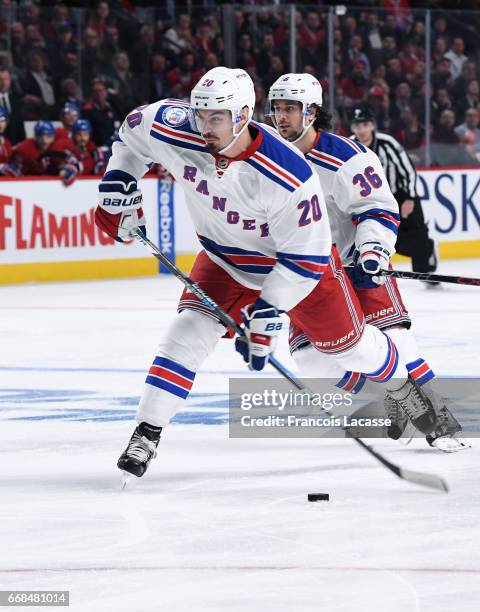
216 524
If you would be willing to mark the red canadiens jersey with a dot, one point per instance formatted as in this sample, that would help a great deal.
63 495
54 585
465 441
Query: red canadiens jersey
61 132
87 156
31 160
5 150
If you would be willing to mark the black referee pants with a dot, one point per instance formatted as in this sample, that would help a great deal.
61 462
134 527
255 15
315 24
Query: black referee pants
413 239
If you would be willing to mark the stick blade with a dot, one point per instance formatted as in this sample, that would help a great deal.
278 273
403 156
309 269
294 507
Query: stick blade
431 481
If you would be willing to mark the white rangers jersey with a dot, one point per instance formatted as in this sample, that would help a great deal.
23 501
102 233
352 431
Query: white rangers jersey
261 217
360 204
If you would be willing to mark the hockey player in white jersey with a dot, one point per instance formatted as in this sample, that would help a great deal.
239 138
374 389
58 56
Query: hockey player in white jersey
364 220
260 215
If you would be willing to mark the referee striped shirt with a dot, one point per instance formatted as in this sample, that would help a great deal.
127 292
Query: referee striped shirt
400 172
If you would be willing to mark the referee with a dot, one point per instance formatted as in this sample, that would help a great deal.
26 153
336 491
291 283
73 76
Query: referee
413 240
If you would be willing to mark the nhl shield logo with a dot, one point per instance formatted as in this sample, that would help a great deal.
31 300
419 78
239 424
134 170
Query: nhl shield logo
175 116
222 163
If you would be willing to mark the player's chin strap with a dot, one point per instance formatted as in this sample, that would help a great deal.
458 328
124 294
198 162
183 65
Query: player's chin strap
421 478
236 136
304 131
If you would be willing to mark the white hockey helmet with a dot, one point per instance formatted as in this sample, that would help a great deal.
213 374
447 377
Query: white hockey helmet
225 89
303 88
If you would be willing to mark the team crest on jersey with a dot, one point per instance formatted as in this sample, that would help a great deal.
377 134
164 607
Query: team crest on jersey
175 116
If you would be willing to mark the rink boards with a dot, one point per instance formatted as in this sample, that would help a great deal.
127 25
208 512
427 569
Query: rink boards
47 231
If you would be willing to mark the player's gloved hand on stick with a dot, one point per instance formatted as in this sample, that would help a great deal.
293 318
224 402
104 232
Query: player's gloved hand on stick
68 174
370 259
262 324
119 214
9 170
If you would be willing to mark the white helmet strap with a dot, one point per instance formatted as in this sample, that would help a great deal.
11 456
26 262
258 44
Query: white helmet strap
235 119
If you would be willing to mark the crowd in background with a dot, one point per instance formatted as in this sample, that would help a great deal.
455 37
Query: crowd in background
115 56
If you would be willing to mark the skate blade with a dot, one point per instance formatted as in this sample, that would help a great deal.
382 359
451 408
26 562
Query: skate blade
408 434
448 444
126 479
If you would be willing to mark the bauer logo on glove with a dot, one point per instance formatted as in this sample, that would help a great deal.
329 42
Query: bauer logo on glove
370 259
134 202
262 323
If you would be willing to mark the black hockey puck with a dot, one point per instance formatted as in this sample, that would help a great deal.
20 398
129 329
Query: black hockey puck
318 497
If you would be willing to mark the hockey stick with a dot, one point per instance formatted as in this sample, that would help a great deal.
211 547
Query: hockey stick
429 278
427 480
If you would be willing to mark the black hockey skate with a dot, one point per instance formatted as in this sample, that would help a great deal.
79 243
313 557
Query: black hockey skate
141 449
398 418
446 435
412 402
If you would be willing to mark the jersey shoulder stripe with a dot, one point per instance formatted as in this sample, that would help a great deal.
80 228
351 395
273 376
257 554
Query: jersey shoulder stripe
172 124
332 151
277 161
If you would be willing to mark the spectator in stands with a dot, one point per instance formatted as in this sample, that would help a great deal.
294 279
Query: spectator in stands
179 38
439 49
441 75
470 128
402 98
456 57
355 83
13 105
6 168
142 51
129 88
439 29
65 42
394 74
418 34
93 60
408 58
34 41
469 73
102 111
445 149
182 78
245 53
277 68
211 61
349 27
93 160
411 135
355 54
111 45
158 80
372 38
70 92
99 21
469 98
203 40
38 86
313 31
378 102
45 155
68 115
18 44
441 102
390 50
264 56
